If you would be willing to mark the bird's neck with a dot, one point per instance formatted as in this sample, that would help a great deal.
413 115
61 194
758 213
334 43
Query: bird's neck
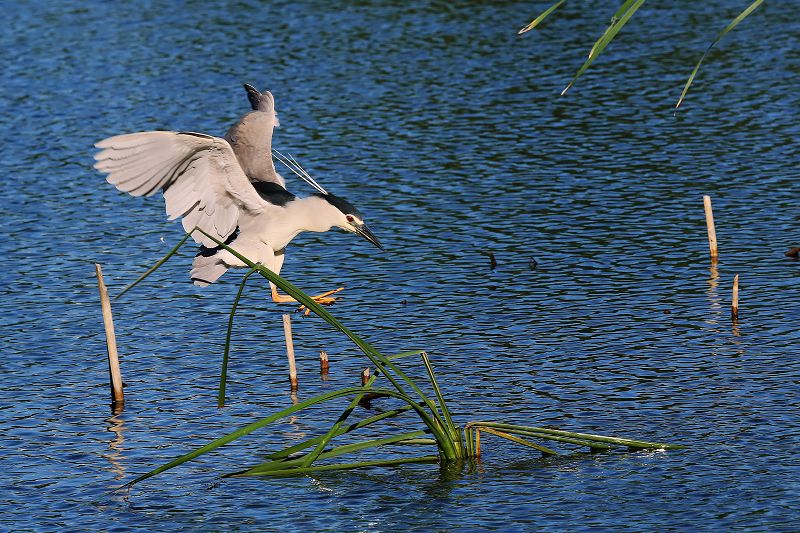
312 214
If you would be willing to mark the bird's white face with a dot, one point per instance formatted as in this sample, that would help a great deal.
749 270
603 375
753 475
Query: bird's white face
354 224
345 216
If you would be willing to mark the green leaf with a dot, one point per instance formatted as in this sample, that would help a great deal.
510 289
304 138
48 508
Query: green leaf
535 22
300 446
154 267
378 359
581 436
455 434
545 436
334 452
621 17
241 432
432 424
518 440
719 36
223 375
347 466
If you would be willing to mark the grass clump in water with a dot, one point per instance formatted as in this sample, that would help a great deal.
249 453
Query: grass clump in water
449 443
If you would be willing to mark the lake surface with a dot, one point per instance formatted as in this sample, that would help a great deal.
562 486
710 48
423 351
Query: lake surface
446 129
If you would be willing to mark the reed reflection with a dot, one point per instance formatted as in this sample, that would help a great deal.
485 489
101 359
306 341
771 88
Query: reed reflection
712 294
116 447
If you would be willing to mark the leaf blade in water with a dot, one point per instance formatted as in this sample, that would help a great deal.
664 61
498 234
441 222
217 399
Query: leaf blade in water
735 22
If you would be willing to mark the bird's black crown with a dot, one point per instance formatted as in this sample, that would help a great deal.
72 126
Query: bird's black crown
341 204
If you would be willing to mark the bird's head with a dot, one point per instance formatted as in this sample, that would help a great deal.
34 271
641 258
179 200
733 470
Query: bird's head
349 218
339 212
260 101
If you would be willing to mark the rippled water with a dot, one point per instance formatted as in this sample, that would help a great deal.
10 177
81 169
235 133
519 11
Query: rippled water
445 128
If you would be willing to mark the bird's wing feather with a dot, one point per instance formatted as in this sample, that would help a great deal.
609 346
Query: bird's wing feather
200 176
251 139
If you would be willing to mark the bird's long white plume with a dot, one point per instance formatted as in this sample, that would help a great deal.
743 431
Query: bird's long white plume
292 164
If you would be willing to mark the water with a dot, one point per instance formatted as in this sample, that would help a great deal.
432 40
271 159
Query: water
445 128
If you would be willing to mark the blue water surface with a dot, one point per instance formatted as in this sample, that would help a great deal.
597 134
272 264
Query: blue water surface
604 313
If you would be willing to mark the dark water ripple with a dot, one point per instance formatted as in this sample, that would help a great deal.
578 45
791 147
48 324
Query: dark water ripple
445 128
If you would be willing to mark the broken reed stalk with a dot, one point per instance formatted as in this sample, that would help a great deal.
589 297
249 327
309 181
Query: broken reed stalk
287 331
117 396
735 299
323 363
364 377
712 233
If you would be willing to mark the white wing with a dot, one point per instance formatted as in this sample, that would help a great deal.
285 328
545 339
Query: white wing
202 180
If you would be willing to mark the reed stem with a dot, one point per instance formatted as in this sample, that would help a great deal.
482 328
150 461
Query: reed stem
712 232
323 363
287 331
117 396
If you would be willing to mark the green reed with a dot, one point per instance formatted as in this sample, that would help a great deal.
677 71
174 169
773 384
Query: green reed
621 17
453 444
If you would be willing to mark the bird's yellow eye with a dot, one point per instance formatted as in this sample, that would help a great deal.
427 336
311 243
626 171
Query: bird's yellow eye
350 218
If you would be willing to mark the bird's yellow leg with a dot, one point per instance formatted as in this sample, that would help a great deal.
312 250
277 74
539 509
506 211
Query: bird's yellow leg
280 298
323 299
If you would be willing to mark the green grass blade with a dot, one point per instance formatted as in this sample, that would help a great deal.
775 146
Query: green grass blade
336 429
518 440
535 22
346 466
378 359
154 267
417 442
223 375
428 420
614 20
286 452
735 22
548 436
622 10
317 452
241 432
335 452
623 15
407 353
448 421
333 431
468 440
582 436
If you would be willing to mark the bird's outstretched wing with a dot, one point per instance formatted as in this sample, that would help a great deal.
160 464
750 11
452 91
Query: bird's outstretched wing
251 138
202 180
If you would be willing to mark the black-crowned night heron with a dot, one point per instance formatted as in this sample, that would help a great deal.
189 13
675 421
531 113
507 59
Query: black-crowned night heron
230 189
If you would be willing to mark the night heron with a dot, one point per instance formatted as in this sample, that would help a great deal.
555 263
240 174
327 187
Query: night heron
229 188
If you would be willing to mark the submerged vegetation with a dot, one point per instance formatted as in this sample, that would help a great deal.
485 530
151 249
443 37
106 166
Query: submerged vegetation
618 21
449 443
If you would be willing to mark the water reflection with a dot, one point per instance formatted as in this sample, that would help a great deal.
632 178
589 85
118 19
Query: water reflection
712 293
116 425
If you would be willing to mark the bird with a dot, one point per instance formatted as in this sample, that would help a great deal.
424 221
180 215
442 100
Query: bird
229 188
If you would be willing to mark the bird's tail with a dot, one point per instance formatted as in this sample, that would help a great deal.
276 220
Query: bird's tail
207 267
209 264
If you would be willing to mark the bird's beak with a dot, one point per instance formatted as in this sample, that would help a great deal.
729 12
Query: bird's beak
365 232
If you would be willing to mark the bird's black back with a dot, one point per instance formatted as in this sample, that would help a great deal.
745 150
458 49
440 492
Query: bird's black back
273 193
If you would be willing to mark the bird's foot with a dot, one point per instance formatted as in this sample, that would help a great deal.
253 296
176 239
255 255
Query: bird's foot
323 299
